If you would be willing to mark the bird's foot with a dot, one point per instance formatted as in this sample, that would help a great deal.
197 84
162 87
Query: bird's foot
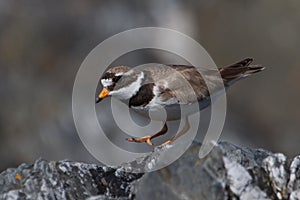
146 139
166 143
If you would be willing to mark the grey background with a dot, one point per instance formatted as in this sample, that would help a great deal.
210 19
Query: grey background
42 45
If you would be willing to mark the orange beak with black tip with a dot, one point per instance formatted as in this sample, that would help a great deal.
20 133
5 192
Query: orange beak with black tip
104 93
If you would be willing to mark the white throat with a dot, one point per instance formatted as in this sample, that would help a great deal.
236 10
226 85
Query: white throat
129 90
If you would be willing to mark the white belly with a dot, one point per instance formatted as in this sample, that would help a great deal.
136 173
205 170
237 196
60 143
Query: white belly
172 112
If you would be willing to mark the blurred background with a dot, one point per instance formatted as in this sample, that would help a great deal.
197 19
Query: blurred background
42 44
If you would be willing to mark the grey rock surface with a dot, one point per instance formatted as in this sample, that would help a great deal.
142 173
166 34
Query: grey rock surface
228 172
66 180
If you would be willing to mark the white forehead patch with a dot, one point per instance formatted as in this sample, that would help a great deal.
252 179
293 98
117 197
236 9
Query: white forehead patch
106 82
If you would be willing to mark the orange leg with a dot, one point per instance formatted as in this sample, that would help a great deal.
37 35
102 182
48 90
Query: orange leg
148 138
182 132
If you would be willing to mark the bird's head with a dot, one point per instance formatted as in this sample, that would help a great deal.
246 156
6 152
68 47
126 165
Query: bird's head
121 82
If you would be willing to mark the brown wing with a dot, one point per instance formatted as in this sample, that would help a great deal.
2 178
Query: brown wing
200 83
183 84
215 79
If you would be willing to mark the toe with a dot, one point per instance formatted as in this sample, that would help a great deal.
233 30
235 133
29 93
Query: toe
166 143
148 141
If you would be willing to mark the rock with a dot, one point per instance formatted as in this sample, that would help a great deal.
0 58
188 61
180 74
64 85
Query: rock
66 180
228 172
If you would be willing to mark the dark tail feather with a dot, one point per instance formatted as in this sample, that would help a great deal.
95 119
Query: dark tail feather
243 63
236 71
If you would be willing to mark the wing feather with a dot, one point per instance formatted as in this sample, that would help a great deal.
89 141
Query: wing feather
183 84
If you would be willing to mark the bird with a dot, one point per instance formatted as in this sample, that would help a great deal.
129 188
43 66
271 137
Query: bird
170 87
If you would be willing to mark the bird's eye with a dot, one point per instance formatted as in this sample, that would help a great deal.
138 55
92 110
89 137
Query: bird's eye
116 78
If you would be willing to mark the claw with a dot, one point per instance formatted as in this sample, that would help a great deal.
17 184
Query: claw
130 139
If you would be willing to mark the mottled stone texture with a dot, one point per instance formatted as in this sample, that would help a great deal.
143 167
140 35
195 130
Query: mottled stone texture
66 180
228 172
